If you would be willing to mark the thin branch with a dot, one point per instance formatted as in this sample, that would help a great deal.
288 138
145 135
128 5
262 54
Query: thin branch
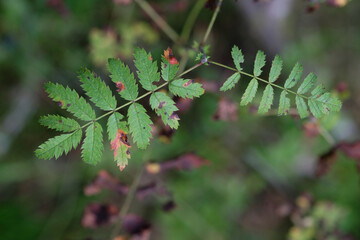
190 21
158 20
129 198
211 24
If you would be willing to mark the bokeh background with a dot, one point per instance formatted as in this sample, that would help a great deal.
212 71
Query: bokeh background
260 180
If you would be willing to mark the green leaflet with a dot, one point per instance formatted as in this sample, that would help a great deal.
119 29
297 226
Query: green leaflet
168 71
294 76
92 146
307 84
330 103
315 108
114 123
259 63
249 92
121 156
237 56
118 142
99 93
284 104
55 147
147 69
70 100
139 125
266 100
124 80
165 107
275 69
301 107
59 123
186 88
230 82
318 91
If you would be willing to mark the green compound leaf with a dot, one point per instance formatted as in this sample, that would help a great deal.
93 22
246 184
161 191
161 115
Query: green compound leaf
230 82
165 107
301 107
284 104
294 76
275 69
147 69
55 147
237 56
99 93
259 63
186 88
69 99
59 123
266 100
140 125
92 146
114 123
124 80
307 84
250 92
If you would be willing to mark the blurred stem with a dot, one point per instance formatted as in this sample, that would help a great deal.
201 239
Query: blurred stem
190 21
158 20
326 135
126 206
211 24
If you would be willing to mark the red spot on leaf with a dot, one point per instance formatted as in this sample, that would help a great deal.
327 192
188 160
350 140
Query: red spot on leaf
161 105
120 86
61 103
168 55
188 83
150 58
174 116
120 139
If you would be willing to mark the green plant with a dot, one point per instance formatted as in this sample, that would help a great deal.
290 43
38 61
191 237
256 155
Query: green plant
138 122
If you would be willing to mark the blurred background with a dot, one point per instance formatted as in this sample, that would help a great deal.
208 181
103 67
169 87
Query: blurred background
232 175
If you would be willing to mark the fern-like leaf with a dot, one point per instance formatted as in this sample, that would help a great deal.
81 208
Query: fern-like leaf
249 92
186 88
59 123
147 69
92 146
230 82
115 123
301 107
238 57
99 93
70 100
284 104
124 80
266 100
165 107
275 69
140 125
294 76
307 84
117 131
55 147
259 63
